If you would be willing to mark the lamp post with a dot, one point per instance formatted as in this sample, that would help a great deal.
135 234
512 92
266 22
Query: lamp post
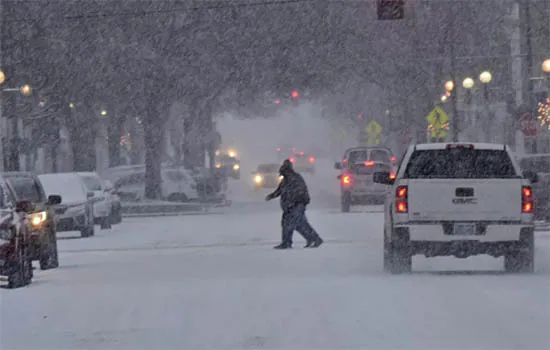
468 83
450 87
546 70
485 77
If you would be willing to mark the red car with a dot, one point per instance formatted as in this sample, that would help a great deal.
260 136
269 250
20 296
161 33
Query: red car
15 262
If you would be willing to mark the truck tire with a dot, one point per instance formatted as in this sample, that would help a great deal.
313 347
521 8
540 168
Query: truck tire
522 261
346 202
48 253
399 255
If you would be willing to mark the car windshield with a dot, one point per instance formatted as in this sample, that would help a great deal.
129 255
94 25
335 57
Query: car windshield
268 168
70 187
459 164
25 188
92 183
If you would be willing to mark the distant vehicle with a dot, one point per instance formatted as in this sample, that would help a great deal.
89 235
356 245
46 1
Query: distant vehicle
76 211
459 200
15 259
267 176
41 214
303 163
230 165
357 168
539 164
177 185
101 199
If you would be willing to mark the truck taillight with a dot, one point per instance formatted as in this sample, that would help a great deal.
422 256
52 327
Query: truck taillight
292 160
393 176
401 199
369 163
312 159
393 159
527 202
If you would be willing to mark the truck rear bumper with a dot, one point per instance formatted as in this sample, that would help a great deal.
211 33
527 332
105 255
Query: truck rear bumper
488 232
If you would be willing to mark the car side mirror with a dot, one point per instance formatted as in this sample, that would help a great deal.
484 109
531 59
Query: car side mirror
24 206
531 176
90 195
338 166
54 199
383 177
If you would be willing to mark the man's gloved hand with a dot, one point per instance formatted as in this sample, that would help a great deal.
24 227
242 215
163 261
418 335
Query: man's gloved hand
268 197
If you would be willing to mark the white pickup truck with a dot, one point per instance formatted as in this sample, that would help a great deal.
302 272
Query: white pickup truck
458 200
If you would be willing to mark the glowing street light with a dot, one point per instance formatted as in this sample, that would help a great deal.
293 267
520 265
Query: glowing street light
26 90
468 83
2 77
449 86
485 77
103 113
444 98
71 105
546 66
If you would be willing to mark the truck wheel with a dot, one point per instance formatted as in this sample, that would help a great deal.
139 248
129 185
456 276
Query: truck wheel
523 260
87 231
48 253
346 202
400 258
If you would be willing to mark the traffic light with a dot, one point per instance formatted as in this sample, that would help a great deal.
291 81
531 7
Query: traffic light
294 94
390 9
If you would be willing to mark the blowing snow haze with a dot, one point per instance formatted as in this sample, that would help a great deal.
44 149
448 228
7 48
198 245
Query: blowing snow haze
142 205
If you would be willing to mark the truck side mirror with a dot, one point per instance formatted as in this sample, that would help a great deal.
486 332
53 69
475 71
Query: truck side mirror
54 199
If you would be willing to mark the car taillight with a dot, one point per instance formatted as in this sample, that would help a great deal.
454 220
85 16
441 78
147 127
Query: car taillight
369 163
527 201
393 176
302 154
312 159
347 180
401 199
292 160
393 159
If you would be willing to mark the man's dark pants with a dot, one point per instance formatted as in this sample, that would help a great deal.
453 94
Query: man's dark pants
295 219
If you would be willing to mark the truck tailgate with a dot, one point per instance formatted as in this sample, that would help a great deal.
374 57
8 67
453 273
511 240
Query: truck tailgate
465 199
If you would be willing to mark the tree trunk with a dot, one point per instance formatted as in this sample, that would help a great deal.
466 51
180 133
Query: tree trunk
83 147
115 132
153 149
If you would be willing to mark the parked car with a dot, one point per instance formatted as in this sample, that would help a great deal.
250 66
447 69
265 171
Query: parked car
76 212
15 262
116 205
101 199
43 244
176 185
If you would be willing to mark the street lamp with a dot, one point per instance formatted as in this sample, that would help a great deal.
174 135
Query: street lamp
444 98
449 86
468 83
2 77
103 113
26 90
485 77
546 66
71 105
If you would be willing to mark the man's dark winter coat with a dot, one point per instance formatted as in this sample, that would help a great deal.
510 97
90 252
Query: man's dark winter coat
292 189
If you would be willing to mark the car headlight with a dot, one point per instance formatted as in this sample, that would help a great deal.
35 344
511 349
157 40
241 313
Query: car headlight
281 178
236 167
218 165
38 219
258 179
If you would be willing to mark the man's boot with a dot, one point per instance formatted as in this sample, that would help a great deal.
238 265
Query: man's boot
283 246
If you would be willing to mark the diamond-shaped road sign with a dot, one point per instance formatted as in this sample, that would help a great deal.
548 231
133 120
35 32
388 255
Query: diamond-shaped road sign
438 121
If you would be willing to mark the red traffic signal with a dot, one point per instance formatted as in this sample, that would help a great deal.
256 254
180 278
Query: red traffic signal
277 102
294 94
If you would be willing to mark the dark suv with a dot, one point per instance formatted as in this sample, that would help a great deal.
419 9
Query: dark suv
27 188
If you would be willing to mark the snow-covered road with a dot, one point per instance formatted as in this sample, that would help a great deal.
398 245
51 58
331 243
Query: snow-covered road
214 281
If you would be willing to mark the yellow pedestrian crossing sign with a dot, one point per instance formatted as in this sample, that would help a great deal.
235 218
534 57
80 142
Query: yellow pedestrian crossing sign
373 130
438 123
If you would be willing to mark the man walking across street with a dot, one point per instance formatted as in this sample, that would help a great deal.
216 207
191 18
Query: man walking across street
294 198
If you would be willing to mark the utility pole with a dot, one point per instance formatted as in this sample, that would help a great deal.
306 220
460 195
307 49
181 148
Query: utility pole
454 96
2 122
529 60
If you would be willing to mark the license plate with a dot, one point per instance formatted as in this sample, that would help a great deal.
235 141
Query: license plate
464 229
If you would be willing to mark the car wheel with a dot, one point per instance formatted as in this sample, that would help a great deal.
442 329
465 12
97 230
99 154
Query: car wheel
400 257
21 274
523 260
346 202
48 253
